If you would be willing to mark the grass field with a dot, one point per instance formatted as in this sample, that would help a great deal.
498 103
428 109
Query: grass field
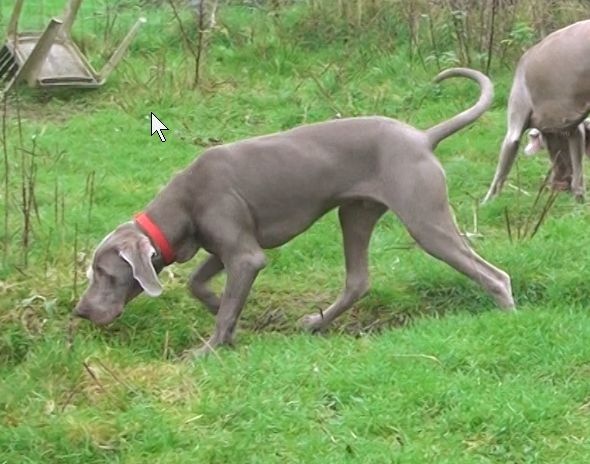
424 369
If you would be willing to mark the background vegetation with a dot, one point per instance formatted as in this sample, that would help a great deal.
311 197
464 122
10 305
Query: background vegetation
424 368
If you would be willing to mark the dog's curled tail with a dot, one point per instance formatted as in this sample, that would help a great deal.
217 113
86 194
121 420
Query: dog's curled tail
444 129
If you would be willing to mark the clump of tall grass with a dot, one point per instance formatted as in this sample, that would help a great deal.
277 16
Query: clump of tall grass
443 32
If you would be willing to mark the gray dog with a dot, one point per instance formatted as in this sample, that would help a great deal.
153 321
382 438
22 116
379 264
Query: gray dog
550 92
237 199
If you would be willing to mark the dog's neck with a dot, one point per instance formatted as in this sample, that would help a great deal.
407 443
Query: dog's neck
175 224
156 236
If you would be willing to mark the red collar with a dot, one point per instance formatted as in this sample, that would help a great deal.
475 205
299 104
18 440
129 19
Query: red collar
156 236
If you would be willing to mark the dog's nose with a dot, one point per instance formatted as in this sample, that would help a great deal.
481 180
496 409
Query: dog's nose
79 312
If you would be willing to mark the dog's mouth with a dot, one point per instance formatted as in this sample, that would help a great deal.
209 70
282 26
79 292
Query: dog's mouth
135 291
98 317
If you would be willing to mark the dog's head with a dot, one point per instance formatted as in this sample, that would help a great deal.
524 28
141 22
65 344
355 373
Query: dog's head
537 139
121 269
536 142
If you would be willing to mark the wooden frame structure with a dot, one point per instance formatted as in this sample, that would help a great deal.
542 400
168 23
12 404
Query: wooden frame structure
51 59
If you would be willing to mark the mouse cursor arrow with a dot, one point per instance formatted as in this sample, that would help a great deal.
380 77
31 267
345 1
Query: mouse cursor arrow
158 126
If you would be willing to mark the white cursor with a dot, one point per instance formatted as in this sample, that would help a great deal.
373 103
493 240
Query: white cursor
158 126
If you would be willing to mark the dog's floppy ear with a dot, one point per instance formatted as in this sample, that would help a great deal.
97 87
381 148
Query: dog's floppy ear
139 255
536 142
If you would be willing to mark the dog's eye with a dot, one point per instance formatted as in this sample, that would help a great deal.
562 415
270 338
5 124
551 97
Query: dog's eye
110 278
100 272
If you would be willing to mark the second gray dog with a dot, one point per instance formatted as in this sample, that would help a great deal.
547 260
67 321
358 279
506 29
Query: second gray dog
550 92
237 199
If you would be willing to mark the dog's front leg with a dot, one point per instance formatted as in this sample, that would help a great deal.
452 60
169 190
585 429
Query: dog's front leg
199 279
242 270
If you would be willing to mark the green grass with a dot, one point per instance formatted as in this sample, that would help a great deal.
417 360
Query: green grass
425 368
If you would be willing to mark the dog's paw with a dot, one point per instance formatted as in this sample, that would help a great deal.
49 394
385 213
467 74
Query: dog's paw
493 191
511 309
206 349
312 323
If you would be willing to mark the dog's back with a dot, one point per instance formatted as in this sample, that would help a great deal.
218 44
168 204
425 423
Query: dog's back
556 75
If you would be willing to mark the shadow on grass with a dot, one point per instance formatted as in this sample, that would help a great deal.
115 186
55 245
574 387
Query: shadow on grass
163 328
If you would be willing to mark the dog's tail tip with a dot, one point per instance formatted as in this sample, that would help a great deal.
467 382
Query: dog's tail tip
446 128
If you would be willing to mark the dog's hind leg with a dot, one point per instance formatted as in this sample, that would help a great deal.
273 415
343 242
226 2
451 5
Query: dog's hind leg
576 142
199 279
518 119
357 220
422 205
